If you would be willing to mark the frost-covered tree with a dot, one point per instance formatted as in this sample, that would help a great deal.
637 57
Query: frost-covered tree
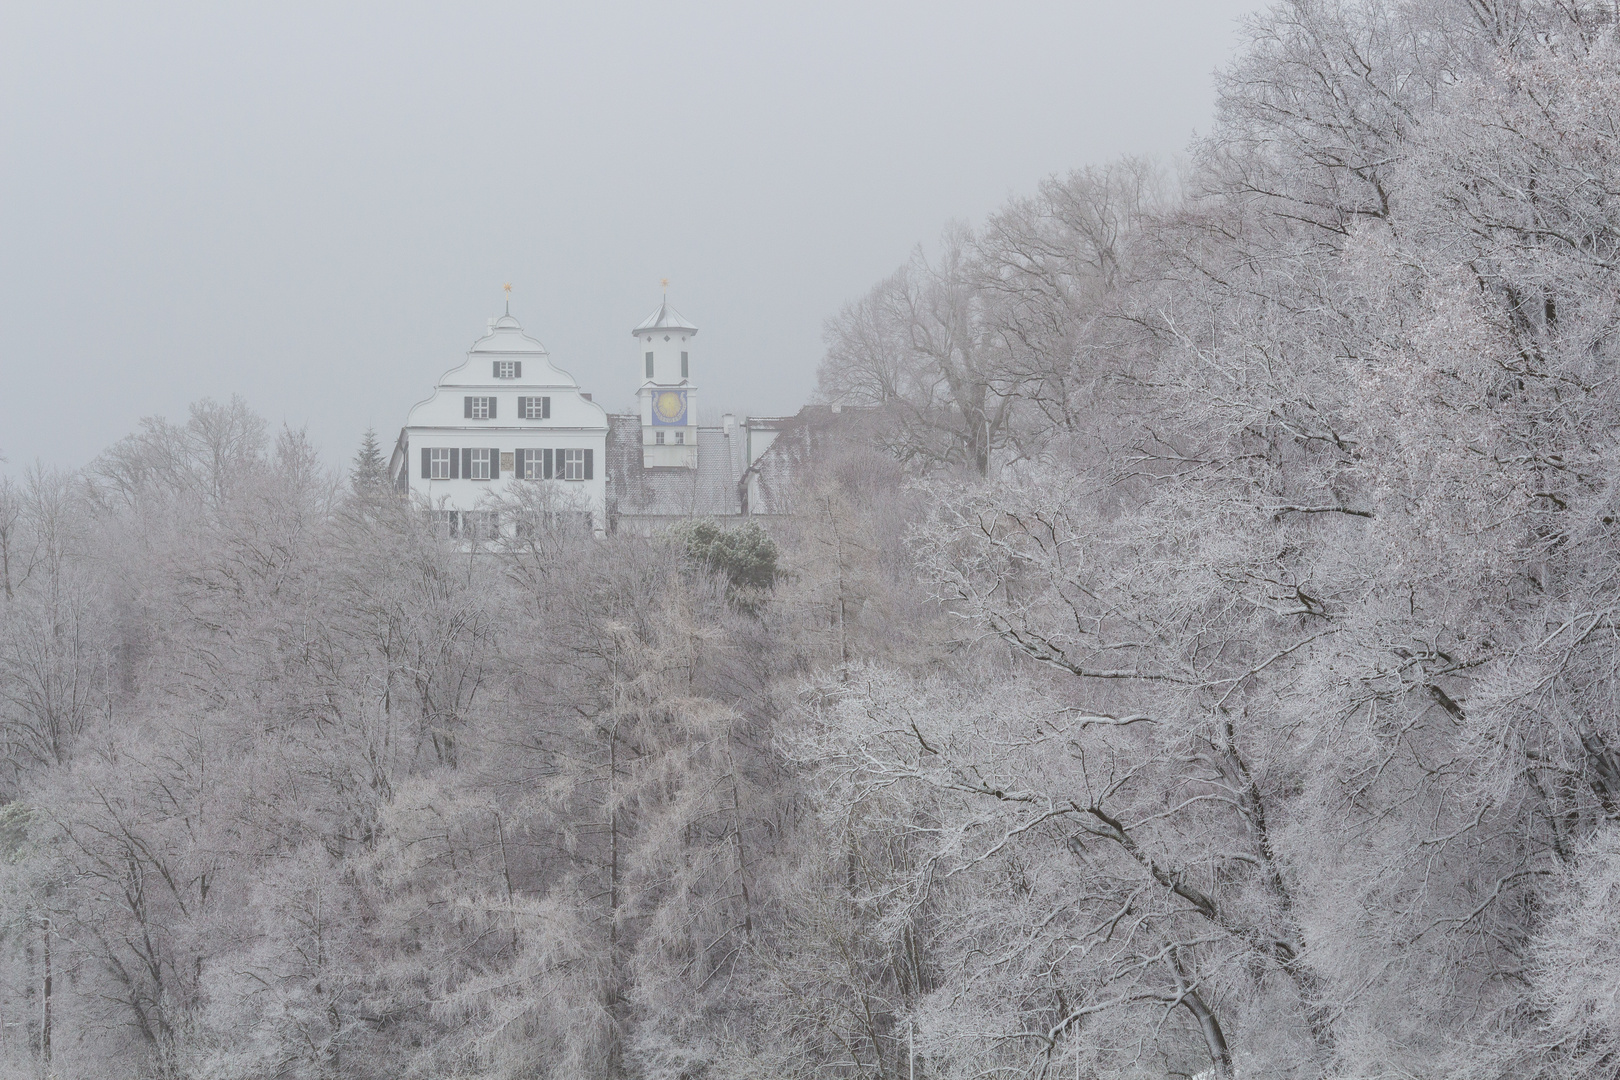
368 473
1196 658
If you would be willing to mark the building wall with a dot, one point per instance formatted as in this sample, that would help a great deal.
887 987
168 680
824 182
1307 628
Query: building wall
634 484
466 494
667 345
441 422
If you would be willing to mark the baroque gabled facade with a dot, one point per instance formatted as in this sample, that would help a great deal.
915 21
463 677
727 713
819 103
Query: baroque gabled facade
505 416
508 416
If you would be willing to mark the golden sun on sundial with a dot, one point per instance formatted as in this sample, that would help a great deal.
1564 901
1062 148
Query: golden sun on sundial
670 406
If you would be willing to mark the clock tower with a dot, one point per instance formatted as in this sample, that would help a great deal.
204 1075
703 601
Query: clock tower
667 398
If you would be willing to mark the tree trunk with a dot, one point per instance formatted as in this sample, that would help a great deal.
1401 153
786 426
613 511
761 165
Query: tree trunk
45 1019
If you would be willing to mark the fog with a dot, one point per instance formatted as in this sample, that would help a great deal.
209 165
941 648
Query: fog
315 206
1182 646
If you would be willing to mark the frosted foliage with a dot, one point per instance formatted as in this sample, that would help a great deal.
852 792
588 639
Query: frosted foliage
1191 653
1335 554
1578 957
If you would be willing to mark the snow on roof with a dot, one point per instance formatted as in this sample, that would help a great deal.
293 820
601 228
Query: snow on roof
710 490
803 441
506 336
665 318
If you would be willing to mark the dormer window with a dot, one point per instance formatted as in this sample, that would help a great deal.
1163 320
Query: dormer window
478 408
534 408
509 369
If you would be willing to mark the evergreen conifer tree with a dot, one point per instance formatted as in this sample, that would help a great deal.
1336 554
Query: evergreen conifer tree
370 473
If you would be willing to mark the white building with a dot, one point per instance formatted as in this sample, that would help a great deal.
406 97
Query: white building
505 417
667 397
508 417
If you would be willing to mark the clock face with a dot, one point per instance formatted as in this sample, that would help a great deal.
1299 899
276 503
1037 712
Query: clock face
669 408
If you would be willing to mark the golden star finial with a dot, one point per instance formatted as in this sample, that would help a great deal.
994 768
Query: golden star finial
508 288
664 282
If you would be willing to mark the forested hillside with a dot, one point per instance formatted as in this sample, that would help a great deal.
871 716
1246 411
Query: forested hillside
1198 657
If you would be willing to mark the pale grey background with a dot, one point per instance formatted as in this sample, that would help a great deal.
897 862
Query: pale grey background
315 204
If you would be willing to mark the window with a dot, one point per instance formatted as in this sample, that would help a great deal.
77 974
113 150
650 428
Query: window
680 438
573 464
469 524
683 364
551 523
658 437
509 369
649 365
439 464
534 408
540 464
478 408
480 464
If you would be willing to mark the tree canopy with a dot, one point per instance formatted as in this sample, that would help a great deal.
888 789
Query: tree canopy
1200 660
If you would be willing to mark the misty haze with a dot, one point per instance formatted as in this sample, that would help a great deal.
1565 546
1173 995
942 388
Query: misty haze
849 542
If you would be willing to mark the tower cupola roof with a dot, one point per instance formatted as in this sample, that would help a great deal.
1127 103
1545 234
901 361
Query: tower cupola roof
665 318
506 336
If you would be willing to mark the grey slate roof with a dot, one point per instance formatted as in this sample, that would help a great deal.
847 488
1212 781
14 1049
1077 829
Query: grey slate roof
635 491
810 436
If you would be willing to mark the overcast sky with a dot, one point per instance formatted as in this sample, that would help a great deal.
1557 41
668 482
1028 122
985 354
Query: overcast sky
315 205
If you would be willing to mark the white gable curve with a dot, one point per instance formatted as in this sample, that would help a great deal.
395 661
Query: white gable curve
508 363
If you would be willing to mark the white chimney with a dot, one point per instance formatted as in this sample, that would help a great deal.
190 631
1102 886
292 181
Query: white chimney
729 422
